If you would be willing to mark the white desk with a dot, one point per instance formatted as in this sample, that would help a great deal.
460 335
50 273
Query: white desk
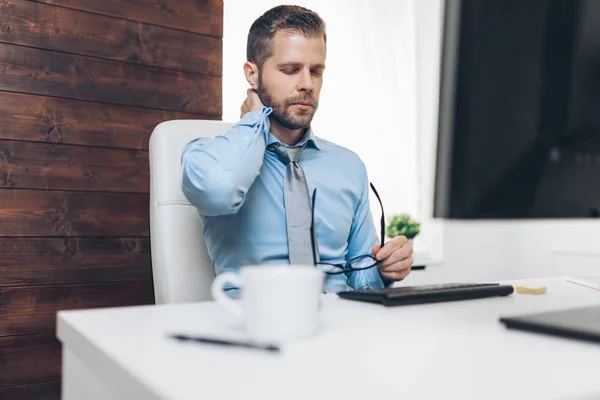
453 350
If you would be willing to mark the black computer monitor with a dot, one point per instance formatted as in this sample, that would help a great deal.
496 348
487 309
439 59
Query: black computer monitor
519 116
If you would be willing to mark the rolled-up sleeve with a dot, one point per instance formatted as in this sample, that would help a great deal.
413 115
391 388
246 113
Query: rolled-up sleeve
217 172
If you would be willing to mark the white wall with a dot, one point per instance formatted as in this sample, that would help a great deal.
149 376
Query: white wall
522 249
505 250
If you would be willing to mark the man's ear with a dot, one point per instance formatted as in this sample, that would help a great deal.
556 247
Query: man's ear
251 73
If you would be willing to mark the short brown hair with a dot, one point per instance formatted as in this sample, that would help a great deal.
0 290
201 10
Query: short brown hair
280 18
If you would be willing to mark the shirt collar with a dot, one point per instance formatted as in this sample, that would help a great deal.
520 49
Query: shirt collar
309 138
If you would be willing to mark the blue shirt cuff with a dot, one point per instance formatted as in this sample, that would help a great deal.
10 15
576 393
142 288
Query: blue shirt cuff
259 119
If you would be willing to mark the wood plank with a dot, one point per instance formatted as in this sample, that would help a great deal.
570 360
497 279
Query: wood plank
56 213
63 167
32 309
62 29
200 16
48 119
29 358
35 71
51 261
49 390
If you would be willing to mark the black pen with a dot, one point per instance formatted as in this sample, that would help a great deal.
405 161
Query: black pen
225 342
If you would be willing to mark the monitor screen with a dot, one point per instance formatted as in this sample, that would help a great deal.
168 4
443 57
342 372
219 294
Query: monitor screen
519 115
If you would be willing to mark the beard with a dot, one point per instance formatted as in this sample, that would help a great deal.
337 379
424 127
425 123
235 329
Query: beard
284 113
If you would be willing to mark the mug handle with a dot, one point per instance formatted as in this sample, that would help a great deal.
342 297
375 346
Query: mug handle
216 289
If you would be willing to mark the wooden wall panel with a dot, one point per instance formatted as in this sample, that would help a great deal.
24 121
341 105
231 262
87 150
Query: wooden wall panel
29 358
200 16
49 390
32 309
82 85
63 29
54 213
62 167
47 119
29 70
63 260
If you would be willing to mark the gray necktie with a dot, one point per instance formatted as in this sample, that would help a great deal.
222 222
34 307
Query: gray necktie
297 207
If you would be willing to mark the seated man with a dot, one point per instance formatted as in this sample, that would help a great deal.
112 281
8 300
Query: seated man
253 185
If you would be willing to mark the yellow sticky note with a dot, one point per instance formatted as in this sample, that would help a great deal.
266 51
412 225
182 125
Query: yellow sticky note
530 290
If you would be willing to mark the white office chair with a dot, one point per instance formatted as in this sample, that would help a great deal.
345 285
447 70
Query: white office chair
181 268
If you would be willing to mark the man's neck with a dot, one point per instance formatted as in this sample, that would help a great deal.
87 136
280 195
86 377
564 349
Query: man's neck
286 136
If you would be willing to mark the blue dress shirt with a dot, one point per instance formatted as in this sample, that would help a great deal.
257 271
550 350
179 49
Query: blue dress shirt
236 183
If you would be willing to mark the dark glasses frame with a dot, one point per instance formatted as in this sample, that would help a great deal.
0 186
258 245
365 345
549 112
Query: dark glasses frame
343 269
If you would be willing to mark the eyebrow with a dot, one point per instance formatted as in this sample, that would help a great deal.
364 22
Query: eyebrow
297 65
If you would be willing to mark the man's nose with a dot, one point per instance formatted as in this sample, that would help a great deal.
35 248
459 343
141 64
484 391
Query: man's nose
306 81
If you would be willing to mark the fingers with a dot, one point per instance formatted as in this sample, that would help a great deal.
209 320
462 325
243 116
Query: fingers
246 105
400 254
254 100
396 276
396 258
251 103
375 249
390 247
244 108
399 270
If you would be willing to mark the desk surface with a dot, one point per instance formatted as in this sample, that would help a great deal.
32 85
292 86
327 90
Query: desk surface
443 350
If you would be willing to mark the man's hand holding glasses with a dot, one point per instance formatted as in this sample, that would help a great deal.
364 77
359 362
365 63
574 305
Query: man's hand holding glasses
393 259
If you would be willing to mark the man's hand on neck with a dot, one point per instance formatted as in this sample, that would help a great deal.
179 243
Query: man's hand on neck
286 136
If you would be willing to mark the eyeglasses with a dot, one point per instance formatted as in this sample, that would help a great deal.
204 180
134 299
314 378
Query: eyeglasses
356 263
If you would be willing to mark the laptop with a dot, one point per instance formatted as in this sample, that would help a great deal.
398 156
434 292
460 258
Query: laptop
577 323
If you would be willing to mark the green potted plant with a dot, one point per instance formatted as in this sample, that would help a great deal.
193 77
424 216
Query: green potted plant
402 225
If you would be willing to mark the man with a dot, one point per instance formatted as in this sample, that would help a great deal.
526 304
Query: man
243 182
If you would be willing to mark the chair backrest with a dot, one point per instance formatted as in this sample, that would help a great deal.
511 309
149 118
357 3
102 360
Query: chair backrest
181 268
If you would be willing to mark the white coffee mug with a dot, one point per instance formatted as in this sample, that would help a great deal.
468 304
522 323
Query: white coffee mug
278 303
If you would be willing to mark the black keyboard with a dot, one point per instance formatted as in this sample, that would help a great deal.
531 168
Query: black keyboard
399 296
